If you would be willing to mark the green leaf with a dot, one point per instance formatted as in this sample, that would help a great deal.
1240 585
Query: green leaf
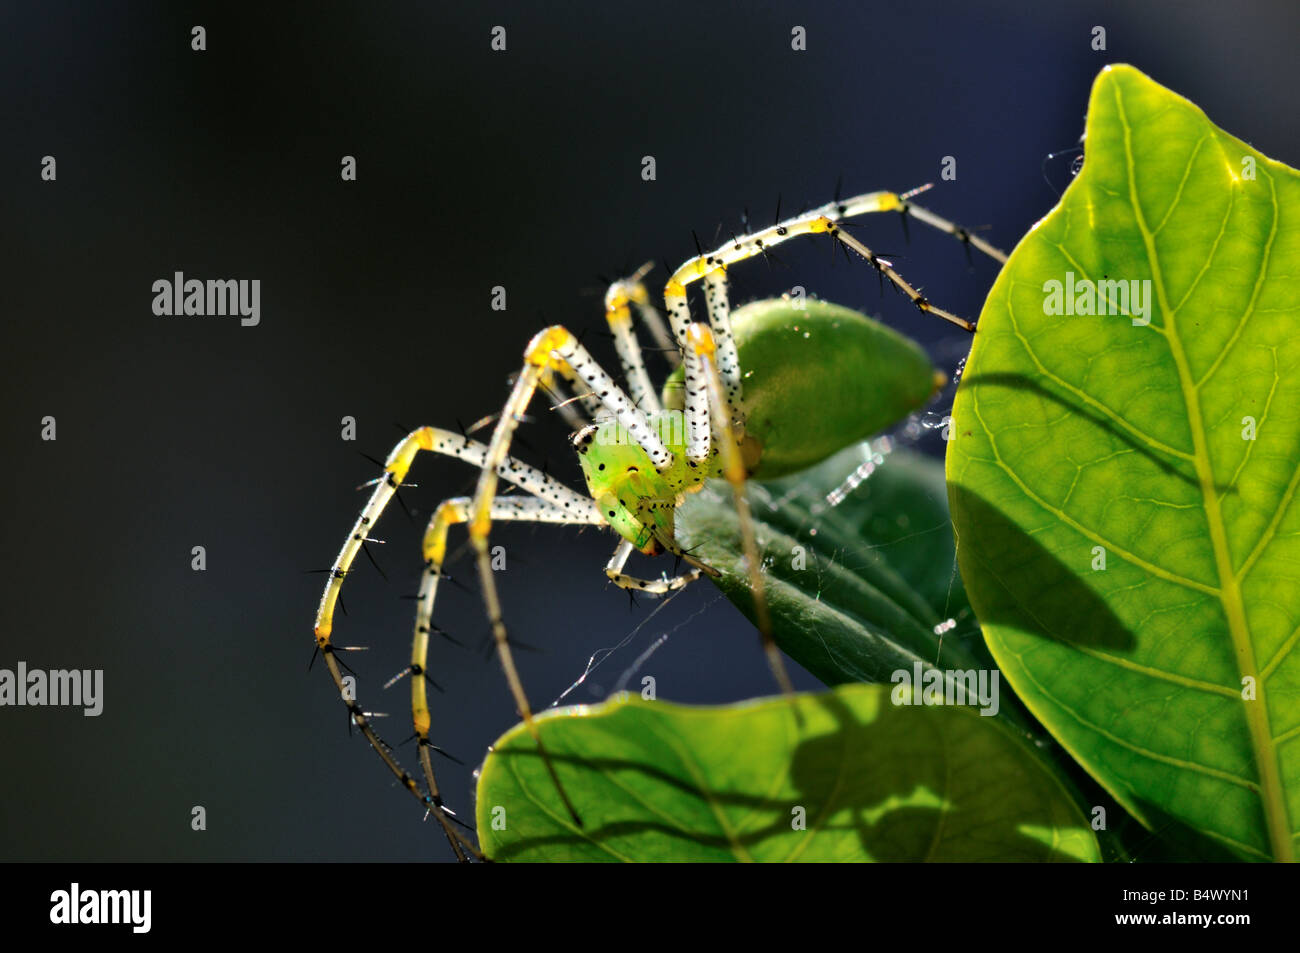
855 590
653 781
1077 434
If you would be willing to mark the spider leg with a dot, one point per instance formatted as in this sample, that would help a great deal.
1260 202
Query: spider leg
449 513
963 235
448 443
823 220
650 315
551 349
614 570
620 299
719 309
445 442
700 342
361 719
695 399
717 301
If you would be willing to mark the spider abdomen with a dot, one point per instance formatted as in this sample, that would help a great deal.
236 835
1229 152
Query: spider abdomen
818 377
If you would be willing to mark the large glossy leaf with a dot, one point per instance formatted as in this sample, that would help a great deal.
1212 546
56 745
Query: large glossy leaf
860 572
653 781
1166 452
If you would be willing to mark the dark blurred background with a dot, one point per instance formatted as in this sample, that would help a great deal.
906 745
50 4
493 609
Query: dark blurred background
475 169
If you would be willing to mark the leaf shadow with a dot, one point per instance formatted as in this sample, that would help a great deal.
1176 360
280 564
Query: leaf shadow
860 773
1170 840
1037 586
900 833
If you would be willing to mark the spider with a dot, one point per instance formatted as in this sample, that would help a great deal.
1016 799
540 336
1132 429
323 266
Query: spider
639 455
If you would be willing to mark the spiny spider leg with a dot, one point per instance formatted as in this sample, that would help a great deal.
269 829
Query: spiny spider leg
551 349
695 397
712 359
621 297
885 268
362 720
449 513
448 443
717 301
614 570
712 265
964 235
700 342
632 290
650 315
545 488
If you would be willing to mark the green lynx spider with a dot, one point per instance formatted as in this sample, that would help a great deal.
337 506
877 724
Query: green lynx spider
640 456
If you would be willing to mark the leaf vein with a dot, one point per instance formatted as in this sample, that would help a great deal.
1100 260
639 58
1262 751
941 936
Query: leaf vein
1269 788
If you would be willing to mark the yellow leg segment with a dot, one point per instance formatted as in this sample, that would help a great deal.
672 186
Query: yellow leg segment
700 341
621 298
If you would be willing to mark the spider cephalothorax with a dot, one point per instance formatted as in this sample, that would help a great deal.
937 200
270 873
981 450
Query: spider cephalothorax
636 499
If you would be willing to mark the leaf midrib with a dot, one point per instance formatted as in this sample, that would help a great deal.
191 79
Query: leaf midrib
1271 793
